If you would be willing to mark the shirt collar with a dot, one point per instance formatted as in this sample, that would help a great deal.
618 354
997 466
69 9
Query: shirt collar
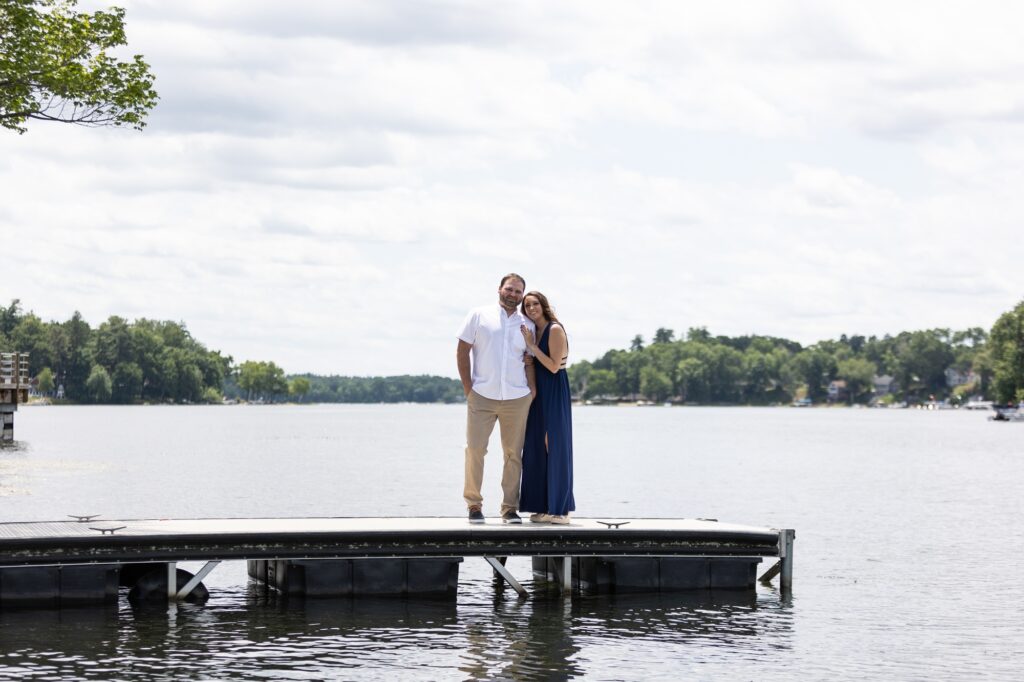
501 312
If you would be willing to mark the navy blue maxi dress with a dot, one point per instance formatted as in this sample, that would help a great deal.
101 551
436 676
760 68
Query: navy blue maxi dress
547 473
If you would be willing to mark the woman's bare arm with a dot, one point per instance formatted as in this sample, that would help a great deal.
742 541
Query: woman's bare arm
557 344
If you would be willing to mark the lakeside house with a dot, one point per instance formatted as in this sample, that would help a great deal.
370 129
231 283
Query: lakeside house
837 391
955 377
884 385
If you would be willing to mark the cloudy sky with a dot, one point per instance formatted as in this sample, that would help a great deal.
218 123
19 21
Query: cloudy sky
332 185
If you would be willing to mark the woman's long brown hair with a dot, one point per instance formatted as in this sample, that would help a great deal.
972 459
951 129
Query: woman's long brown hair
549 314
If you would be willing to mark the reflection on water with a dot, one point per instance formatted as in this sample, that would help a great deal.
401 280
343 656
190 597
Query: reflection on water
523 639
59 644
488 633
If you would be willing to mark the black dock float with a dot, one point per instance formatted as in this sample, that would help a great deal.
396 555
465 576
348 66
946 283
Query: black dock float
348 577
58 586
652 574
341 556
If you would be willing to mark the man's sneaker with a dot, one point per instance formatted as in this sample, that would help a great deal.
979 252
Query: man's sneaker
475 515
511 517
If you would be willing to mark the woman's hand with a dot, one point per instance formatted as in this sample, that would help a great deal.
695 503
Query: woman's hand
527 336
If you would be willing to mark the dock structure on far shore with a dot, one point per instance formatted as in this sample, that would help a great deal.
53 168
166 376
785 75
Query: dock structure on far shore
88 558
14 385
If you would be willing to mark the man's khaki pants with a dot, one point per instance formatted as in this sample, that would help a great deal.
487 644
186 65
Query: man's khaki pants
511 417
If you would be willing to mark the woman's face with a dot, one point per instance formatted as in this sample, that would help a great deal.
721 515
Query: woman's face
533 309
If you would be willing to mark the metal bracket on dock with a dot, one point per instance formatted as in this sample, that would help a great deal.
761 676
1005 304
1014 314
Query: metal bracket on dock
107 531
503 572
84 519
173 593
770 574
613 524
785 563
196 579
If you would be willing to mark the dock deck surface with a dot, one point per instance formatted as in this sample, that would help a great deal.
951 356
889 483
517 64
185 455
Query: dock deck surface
142 540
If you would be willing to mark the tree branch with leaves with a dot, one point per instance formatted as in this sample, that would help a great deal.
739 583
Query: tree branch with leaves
56 65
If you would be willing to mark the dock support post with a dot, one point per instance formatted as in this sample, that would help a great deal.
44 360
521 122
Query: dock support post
172 581
786 537
503 572
567 575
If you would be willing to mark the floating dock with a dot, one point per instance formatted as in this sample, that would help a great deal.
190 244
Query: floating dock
86 558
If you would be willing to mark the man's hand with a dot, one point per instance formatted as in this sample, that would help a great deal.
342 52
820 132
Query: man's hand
462 360
531 380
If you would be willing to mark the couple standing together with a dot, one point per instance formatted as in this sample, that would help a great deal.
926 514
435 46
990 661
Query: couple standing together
512 366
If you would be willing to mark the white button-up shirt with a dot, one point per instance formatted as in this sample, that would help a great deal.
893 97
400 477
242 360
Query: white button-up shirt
498 347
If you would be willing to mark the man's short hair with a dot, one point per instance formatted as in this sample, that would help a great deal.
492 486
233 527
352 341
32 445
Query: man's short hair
512 275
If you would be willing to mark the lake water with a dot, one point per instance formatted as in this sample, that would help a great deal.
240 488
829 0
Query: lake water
910 531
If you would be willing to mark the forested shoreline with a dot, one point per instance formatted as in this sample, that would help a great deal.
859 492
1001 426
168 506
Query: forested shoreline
150 361
760 370
909 368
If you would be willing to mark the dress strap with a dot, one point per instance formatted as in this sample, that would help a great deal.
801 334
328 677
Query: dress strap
565 357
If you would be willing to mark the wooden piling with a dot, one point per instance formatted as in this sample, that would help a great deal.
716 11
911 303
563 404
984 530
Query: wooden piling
14 385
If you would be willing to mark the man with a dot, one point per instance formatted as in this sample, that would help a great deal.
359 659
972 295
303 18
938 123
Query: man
499 386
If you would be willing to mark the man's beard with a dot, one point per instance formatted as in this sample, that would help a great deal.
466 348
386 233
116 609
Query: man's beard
508 302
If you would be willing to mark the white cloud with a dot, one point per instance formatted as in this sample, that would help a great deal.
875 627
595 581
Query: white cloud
826 192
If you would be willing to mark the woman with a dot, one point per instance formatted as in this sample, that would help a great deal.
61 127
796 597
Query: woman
547 451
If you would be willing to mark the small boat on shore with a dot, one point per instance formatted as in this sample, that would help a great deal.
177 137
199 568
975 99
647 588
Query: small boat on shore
1007 413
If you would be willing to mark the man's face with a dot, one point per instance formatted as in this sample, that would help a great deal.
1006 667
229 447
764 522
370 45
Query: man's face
510 294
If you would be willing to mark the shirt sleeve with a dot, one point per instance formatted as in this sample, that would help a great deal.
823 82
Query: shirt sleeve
467 332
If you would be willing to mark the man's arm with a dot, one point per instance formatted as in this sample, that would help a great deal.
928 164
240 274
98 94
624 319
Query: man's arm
531 379
462 359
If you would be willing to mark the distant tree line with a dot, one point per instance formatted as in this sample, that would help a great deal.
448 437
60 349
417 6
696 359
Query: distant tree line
151 361
1004 356
267 381
116 362
395 389
764 370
